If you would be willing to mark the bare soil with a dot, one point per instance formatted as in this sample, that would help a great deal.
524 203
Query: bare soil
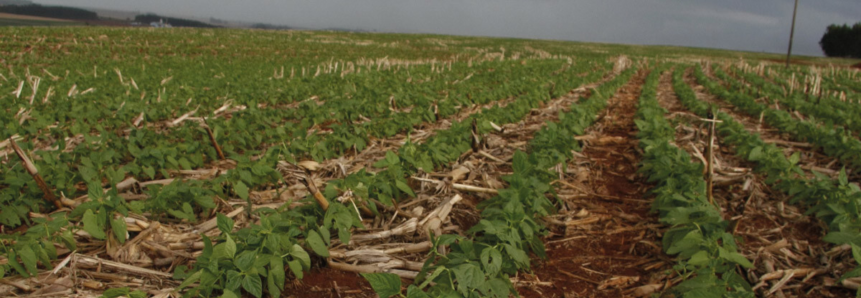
607 242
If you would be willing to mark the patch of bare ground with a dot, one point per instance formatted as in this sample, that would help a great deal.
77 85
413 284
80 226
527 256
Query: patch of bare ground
786 247
604 242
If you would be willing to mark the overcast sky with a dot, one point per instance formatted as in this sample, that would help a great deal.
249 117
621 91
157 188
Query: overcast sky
752 25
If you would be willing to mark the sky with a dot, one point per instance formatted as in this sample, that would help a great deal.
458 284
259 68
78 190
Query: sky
750 25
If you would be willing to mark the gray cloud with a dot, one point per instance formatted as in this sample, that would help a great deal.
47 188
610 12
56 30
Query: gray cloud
761 25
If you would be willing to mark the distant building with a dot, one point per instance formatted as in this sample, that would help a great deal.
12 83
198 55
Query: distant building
160 24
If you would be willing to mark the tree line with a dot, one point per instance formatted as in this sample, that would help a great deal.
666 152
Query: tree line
57 12
842 41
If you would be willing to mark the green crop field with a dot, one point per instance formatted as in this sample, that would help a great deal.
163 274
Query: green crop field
248 163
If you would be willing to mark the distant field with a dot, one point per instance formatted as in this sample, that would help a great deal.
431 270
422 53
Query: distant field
256 163
8 19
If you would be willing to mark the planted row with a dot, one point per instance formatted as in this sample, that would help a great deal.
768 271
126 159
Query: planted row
707 252
482 263
834 141
835 202
384 186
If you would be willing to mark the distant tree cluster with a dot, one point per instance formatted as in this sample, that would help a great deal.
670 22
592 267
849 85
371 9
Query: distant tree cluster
176 22
57 12
842 41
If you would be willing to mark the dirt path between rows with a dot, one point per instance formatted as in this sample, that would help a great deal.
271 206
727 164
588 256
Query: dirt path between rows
607 242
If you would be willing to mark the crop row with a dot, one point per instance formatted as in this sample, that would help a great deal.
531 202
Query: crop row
826 109
147 154
496 248
835 202
834 141
831 80
217 268
707 252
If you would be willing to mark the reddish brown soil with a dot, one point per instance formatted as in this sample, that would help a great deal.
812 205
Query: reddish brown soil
328 282
576 267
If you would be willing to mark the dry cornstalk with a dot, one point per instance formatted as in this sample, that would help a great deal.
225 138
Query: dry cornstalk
433 221
182 118
31 168
212 139
403 229
470 188
89 261
316 192
711 156
488 155
372 269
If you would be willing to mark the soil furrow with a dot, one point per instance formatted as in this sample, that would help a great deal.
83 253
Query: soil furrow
605 237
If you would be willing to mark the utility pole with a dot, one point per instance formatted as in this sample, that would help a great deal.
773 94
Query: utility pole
791 34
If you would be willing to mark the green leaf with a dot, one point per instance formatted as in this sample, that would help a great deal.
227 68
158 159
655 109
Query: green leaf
118 225
385 284
149 171
856 253
245 260
700 258
276 273
491 260
230 294
241 190
468 276
296 268
28 257
234 280
225 250
225 224
405 188
392 158
69 240
274 290
138 294
317 244
15 265
500 287
191 279
735 258
755 154
91 225
433 276
253 285
301 255
415 292
794 158
230 246
116 292
844 179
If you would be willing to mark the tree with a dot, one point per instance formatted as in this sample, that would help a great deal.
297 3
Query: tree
842 41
